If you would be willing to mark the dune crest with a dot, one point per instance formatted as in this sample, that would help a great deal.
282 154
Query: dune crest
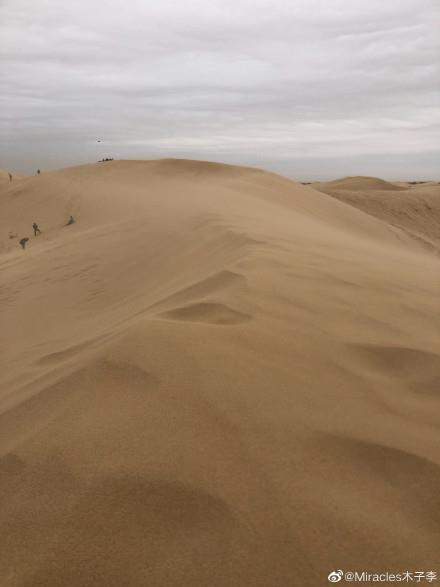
356 183
215 376
414 209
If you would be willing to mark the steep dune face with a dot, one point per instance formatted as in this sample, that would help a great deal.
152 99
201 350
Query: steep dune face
413 208
216 376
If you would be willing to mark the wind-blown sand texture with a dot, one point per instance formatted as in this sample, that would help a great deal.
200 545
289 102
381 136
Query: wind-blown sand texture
413 208
216 377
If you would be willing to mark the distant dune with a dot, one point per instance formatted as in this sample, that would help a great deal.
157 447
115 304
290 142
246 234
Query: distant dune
413 208
358 183
216 376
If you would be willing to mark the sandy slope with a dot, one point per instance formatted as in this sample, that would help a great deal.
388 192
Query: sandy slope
363 183
215 377
413 208
4 177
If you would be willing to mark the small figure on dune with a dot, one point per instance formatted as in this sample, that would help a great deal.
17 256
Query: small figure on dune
38 172
70 221
10 176
23 242
36 229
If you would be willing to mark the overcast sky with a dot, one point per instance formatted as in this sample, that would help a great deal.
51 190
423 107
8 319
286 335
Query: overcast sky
313 89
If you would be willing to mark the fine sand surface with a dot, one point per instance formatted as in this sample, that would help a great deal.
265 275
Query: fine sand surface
216 377
413 208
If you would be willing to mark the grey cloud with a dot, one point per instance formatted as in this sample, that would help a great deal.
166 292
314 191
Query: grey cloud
276 83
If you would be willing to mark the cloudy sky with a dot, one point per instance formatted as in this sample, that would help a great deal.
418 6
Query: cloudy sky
308 88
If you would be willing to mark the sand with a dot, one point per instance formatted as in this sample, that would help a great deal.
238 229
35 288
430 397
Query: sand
414 208
5 178
215 377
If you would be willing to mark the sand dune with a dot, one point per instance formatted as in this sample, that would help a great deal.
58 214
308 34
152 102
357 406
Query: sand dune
357 183
216 376
413 208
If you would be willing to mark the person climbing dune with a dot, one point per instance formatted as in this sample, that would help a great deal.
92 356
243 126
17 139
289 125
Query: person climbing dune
23 242
10 176
70 221
36 229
